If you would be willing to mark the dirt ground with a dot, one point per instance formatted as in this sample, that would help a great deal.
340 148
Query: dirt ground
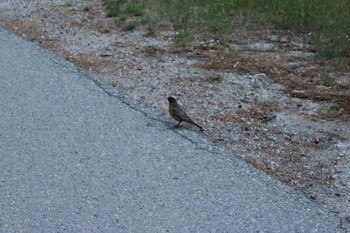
266 103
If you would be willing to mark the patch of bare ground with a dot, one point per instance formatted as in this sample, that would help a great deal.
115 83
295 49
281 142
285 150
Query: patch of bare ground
267 99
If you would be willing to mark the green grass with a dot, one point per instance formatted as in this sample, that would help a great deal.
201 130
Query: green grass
333 111
87 8
327 23
134 10
106 30
327 79
215 78
68 3
130 26
114 7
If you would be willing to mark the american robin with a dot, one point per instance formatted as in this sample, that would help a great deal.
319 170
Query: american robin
178 114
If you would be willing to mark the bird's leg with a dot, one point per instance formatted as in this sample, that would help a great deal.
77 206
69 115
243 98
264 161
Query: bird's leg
178 125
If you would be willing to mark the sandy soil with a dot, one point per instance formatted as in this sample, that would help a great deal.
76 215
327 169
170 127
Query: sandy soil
250 103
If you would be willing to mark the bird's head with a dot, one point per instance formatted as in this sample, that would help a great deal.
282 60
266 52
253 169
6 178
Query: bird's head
171 99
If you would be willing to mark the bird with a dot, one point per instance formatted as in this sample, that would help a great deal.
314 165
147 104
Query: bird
178 114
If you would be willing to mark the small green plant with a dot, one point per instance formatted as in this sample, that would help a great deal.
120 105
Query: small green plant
134 10
114 7
268 103
123 18
327 79
68 4
183 37
150 47
151 50
151 31
215 78
256 85
106 30
87 8
333 111
130 26
120 21
230 54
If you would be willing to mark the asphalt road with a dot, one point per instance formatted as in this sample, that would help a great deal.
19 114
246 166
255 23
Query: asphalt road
77 156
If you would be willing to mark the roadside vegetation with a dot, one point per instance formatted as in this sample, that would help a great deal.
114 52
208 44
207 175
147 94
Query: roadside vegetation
317 26
326 22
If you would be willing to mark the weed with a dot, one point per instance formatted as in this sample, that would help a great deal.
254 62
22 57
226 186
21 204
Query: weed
123 18
256 85
327 79
87 8
230 54
120 21
106 30
151 24
183 37
150 47
269 103
215 78
333 111
134 10
114 7
130 26
151 31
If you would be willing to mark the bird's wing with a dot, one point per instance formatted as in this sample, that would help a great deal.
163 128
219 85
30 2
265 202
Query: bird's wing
180 112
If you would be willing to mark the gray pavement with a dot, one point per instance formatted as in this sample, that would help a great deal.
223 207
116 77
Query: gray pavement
77 156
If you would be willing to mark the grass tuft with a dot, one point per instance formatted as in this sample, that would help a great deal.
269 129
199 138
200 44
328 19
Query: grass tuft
130 26
114 7
327 79
87 8
215 78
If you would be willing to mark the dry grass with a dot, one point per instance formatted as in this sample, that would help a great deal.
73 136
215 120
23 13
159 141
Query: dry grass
302 81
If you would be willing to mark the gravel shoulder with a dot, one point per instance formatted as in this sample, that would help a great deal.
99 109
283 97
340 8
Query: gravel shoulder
250 115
